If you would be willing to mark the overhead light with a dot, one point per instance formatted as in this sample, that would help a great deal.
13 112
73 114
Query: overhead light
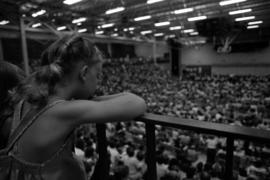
253 27
39 13
79 20
79 24
201 42
61 28
158 34
115 34
188 30
146 32
194 33
36 25
70 2
4 22
181 11
255 22
245 18
153 1
131 28
175 28
107 25
240 11
82 30
166 23
99 32
142 18
125 29
172 36
115 10
198 18
228 2
115 29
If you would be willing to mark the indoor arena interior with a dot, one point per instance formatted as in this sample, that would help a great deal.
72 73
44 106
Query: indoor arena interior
134 89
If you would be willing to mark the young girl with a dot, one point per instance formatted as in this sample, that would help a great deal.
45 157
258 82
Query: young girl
54 102
10 77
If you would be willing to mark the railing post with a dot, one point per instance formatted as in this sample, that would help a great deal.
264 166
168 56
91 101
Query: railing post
151 151
229 158
1 50
24 47
102 167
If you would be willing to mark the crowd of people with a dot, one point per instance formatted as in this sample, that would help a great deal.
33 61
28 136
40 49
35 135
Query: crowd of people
183 155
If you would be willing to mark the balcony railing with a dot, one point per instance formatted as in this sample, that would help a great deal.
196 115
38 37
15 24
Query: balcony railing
228 131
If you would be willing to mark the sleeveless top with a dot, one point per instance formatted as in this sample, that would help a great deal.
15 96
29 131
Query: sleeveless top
61 166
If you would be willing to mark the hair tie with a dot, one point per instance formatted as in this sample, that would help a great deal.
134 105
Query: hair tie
55 67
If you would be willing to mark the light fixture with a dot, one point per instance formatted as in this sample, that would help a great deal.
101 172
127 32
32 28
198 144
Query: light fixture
115 10
79 24
253 27
158 34
201 42
175 28
115 34
194 33
107 25
131 28
245 18
99 32
4 22
166 23
36 25
188 30
198 18
70 2
153 1
181 11
82 30
240 11
142 18
39 13
125 29
79 20
255 22
115 29
61 28
146 32
172 36
228 2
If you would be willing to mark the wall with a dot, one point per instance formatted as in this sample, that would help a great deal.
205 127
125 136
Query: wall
257 63
257 70
146 50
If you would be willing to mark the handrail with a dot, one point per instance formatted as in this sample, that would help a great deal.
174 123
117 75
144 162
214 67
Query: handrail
229 131
219 129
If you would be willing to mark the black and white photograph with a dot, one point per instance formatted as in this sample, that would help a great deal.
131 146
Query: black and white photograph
134 89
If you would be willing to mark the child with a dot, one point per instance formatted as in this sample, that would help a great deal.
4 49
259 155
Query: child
54 102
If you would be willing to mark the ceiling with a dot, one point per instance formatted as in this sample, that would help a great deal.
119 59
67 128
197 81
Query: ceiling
218 22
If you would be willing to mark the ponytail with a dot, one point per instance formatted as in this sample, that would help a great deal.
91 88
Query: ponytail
41 84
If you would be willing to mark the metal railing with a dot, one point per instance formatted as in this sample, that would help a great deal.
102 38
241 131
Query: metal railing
228 131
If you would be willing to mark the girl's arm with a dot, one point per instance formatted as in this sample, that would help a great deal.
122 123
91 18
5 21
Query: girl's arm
119 107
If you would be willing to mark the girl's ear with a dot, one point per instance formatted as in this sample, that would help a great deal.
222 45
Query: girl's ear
83 73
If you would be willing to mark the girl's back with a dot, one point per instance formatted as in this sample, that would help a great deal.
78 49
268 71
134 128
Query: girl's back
44 150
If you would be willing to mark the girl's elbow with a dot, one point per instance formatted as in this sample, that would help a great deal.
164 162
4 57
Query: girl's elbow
142 105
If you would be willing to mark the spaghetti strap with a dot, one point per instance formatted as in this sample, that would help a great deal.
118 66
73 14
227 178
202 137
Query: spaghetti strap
26 122
16 116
